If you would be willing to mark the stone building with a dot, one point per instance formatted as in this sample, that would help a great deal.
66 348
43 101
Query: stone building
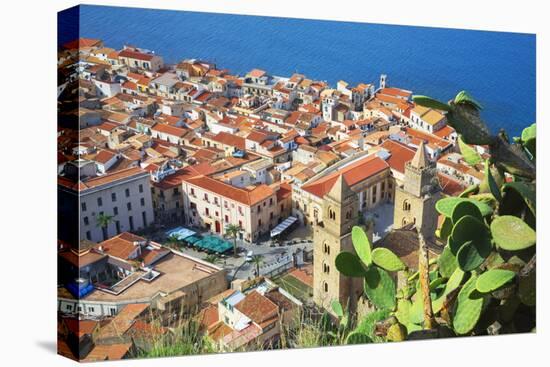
415 199
332 236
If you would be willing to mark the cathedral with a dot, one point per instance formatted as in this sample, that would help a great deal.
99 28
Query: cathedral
332 236
415 199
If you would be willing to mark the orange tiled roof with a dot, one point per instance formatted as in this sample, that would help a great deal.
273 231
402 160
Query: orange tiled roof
247 197
135 55
400 154
353 174
170 130
111 177
257 307
108 352
229 139
120 246
82 43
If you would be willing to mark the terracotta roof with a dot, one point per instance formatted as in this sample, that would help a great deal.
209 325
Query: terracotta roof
430 139
135 55
229 139
244 196
111 177
449 185
104 156
108 352
444 132
257 307
170 130
122 322
400 154
256 73
180 175
208 316
81 327
81 259
82 43
353 174
120 246
396 92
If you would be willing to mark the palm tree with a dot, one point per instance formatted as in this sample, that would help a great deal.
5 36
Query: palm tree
258 261
173 240
103 220
233 230
212 258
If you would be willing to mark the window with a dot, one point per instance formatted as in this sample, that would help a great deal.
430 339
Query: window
83 206
69 307
259 222
90 309
117 225
192 192
140 188
271 215
240 224
206 196
259 208
142 201
112 311
115 210
129 206
326 268
113 197
99 202
326 249
406 205
207 211
86 221
226 218
131 220
270 201
325 286
127 192
144 217
88 236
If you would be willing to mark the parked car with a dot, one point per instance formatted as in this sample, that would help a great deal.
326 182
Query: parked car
249 255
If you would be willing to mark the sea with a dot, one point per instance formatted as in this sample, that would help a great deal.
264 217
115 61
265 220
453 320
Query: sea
497 68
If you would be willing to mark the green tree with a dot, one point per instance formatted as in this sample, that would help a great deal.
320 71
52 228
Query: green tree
233 231
173 241
213 259
258 261
102 221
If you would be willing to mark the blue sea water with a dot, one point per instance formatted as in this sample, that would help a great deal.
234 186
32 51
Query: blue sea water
497 68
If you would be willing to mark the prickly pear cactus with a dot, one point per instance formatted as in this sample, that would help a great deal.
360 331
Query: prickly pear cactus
380 288
468 307
387 260
493 279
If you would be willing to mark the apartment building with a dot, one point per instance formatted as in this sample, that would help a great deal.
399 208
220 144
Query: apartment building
213 205
123 195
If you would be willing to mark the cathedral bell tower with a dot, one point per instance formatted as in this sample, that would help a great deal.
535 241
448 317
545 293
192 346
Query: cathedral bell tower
415 200
331 236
